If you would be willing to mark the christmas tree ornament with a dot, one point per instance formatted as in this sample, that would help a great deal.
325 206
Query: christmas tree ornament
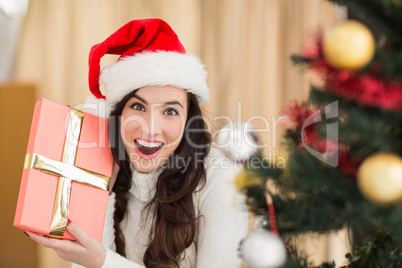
260 223
272 214
263 250
246 179
363 88
238 141
349 46
380 178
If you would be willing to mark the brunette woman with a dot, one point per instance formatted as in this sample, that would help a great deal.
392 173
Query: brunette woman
173 202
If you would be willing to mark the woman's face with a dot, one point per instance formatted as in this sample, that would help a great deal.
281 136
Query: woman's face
152 125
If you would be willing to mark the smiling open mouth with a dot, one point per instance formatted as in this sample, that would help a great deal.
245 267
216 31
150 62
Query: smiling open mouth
148 148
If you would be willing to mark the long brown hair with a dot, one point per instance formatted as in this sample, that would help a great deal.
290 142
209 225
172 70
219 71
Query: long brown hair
174 225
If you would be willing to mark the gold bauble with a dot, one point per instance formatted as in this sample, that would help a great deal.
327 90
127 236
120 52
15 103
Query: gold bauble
246 179
379 178
349 46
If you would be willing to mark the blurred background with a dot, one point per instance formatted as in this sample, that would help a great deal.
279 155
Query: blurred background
245 46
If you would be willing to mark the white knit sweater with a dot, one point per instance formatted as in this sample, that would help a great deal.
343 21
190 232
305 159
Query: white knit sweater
222 225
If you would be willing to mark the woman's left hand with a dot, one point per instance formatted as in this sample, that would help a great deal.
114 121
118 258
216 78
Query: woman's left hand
86 251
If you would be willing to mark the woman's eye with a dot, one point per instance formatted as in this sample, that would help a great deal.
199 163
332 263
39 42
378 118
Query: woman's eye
138 107
171 111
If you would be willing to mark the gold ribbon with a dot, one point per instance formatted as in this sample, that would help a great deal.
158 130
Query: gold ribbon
67 172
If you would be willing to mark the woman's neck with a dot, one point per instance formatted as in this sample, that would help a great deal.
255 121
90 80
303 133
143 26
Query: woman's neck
144 184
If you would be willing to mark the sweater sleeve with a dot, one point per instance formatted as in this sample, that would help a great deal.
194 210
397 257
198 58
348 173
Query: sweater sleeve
108 229
112 259
224 218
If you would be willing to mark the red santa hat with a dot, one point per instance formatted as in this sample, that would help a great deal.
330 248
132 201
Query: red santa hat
151 54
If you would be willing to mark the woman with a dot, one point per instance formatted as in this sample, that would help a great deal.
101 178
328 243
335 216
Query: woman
173 203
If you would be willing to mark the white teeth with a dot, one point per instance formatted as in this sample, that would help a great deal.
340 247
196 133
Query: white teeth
149 144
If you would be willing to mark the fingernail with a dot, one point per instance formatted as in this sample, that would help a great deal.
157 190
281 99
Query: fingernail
68 222
26 234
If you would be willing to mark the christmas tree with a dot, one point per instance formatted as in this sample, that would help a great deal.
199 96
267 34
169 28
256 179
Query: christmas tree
344 149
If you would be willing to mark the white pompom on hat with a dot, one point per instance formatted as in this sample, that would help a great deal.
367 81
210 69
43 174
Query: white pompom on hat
150 55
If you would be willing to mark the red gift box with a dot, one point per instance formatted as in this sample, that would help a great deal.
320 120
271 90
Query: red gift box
66 173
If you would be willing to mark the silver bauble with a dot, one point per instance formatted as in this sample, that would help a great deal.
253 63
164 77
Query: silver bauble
238 141
263 250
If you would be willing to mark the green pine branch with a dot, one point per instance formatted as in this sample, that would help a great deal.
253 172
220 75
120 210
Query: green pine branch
366 129
316 197
385 15
309 186
378 251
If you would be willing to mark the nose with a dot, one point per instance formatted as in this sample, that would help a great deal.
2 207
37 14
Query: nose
152 127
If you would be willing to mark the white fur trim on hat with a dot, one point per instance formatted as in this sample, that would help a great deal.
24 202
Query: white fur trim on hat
161 68
98 107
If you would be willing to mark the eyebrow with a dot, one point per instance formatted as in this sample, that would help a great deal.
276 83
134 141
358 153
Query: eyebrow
172 103
163 105
141 99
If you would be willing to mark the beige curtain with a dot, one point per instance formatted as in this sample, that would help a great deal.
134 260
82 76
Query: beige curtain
245 46
58 35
